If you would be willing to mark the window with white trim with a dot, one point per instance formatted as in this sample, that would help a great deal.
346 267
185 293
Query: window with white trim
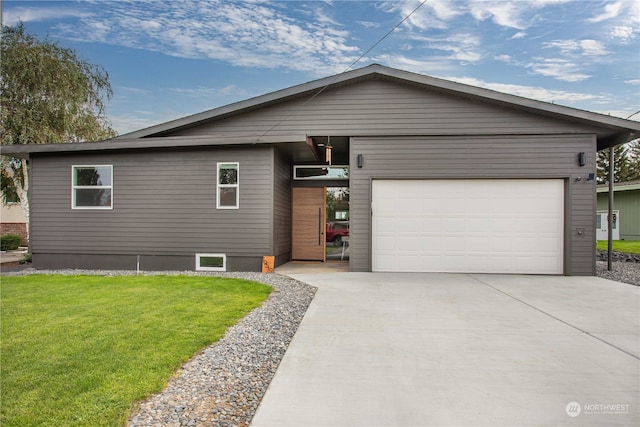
228 186
92 187
211 262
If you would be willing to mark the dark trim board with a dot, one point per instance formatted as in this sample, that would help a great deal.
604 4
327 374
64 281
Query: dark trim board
147 262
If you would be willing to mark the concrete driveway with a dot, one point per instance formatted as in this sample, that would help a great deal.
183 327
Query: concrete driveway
383 349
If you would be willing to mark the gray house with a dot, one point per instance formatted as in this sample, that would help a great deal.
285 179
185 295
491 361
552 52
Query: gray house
429 175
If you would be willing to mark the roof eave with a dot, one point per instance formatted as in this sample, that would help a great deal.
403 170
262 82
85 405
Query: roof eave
118 144
617 125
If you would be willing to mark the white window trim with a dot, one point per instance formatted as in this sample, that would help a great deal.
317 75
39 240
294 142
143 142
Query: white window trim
200 268
236 186
89 187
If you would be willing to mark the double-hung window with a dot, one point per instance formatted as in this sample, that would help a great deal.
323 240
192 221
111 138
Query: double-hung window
92 187
228 186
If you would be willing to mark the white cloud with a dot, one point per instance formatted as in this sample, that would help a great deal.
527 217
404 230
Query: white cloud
635 82
512 14
531 92
440 14
625 33
507 59
621 19
560 69
593 48
506 14
368 24
429 66
252 34
585 47
33 14
432 14
519 35
610 10
575 56
461 47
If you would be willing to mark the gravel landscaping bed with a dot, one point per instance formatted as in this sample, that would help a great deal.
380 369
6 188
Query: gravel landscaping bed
626 272
224 383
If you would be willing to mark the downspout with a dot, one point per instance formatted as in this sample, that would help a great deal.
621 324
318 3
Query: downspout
610 214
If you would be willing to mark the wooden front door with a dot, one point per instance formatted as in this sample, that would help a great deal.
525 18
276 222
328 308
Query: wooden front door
308 240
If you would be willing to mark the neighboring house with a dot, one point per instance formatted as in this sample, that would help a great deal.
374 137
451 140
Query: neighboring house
441 176
626 210
12 220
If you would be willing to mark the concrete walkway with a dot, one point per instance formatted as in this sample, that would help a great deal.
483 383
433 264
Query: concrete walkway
382 349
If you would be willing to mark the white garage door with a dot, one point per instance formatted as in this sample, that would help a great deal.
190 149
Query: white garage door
468 226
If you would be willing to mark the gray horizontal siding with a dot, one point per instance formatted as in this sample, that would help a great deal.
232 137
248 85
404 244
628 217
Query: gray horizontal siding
163 203
282 207
478 157
382 107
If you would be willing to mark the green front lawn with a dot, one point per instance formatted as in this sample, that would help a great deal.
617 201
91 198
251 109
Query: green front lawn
81 350
627 246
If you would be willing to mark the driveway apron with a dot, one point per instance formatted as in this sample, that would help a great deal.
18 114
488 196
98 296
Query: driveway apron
413 349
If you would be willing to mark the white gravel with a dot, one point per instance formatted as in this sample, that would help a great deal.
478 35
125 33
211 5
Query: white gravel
626 272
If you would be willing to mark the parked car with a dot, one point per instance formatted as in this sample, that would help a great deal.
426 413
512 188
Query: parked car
336 231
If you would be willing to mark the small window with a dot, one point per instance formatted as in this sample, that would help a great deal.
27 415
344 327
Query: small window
320 172
211 262
228 196
92 187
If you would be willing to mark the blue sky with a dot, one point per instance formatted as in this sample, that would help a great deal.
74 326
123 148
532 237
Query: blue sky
171 59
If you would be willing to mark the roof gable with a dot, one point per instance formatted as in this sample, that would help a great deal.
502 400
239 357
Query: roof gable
613 130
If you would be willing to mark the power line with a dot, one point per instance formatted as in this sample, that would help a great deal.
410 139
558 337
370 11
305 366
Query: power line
369 50
386 35
322 89
633 115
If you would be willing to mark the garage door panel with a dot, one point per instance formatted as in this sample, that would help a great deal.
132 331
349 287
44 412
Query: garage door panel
387 223
506 226
409 224
452 224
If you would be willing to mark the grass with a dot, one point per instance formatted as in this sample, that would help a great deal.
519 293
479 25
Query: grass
627 246
81 350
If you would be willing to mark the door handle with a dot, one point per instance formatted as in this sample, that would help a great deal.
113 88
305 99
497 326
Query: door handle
320 230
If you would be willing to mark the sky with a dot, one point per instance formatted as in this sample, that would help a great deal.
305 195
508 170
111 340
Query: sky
170 59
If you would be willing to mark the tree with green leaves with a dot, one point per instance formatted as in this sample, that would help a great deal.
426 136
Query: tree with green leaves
47 95
634 159
625 167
